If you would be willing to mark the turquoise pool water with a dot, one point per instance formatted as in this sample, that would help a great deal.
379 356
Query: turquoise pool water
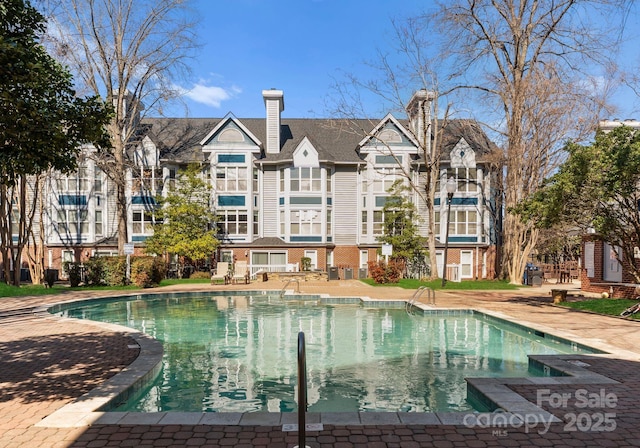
237 353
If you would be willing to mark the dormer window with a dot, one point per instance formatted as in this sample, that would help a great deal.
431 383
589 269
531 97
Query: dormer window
388 136
231 135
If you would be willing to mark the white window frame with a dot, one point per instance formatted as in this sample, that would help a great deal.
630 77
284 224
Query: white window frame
235 226
232 178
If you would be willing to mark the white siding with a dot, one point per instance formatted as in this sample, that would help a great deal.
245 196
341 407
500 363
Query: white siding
345 206
269 206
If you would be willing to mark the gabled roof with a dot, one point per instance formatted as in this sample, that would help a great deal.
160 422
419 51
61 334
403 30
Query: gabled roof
471 131
223 122
389 118
338 141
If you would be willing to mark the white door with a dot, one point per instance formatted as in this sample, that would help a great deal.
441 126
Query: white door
439 261
612 271
466 264
313 254
364 258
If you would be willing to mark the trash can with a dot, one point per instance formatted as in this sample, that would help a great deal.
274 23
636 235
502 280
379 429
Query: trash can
333 273
535 277
348 273
532 275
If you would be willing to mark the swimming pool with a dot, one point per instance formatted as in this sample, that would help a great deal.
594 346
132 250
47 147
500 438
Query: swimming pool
236 352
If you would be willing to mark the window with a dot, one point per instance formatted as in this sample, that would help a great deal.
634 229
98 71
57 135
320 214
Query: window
97 180
378 222
142 222
305 222
436 223
73 222
467 178
255 180
384 178
282 223
231 178
305 179
147 180
463 222
172 178
233 222
281 180
77 181
269 260
329 220
256 222
98 222
328 180
363 222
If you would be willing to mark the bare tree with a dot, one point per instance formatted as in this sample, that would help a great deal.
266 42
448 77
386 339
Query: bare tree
132 53
525 58
405 74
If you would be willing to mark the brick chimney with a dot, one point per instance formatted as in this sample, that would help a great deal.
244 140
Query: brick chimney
274 104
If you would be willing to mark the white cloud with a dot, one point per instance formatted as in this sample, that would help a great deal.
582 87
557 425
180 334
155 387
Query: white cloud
210 95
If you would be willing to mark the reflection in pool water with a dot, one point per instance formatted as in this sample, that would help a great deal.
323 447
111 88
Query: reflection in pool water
237 353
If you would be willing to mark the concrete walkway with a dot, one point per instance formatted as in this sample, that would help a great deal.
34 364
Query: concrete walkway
47 363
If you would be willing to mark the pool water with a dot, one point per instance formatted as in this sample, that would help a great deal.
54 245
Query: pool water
238 353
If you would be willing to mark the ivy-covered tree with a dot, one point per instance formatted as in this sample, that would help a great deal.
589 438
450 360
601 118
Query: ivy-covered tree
42 124
185 224
401 230
597 187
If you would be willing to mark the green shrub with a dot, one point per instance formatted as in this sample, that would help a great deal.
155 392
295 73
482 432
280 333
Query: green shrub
158 270
200 275
305 263
74 271
147 271
95 271
115 270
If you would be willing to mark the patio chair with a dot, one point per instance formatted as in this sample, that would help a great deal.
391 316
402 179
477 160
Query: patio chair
240 272
222 273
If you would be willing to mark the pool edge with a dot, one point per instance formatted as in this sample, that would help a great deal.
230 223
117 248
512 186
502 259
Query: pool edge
85 410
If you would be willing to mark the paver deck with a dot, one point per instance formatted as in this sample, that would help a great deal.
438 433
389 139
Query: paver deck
46 363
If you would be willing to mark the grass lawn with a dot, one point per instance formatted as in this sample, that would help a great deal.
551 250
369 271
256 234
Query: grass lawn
28 289
468 285
32 290
610 307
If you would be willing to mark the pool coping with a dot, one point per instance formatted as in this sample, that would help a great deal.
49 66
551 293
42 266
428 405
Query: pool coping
85 410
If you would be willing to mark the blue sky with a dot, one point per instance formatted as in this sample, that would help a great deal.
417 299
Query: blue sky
298 46
302 46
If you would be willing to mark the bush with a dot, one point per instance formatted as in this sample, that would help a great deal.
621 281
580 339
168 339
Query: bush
200 275
141 268
381 272
95 271
74 270
115 270
158 270
147 271
305 263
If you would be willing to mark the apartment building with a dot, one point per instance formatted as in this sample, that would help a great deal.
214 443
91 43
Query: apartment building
285 188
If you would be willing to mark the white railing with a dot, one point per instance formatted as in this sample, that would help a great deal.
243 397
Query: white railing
453 273
255 268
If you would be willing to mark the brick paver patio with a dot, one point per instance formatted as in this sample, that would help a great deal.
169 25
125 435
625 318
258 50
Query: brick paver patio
46 362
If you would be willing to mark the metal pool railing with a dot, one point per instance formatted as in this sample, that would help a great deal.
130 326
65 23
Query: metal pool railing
302 391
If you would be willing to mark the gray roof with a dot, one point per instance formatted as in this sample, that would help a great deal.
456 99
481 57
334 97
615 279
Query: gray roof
336 140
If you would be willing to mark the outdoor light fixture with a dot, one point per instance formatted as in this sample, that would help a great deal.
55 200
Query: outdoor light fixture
451 188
